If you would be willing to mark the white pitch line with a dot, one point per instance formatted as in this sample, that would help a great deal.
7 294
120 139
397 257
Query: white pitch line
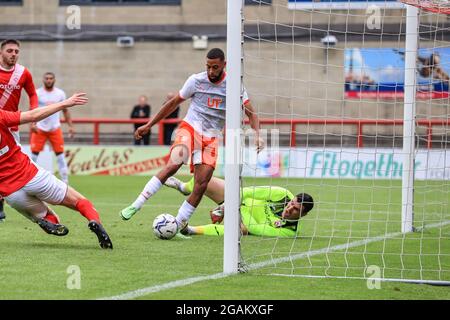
183 282
169 285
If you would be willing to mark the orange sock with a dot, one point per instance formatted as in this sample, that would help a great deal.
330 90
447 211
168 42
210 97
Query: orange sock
87 210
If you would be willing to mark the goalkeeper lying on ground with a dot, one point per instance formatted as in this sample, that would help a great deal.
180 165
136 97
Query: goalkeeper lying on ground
265 210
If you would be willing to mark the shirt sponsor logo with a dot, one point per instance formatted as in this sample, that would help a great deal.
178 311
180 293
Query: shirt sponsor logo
214 102
9 87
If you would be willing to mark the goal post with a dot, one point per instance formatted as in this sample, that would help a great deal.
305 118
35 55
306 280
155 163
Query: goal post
409 117
232 136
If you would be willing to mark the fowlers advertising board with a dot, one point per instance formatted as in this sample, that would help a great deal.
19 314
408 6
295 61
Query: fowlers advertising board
116 161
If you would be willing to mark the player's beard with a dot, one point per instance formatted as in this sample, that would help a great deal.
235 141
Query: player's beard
9 63
216 79
13 61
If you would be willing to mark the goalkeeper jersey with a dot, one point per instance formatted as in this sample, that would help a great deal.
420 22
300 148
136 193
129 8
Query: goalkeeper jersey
261 209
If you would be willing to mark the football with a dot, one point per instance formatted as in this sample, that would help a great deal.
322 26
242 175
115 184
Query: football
165 226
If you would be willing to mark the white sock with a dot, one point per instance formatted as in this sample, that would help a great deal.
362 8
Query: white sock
184 213
63 169
182 187
150 189
34 157
190 230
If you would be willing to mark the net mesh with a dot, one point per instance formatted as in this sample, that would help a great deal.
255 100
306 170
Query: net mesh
331 84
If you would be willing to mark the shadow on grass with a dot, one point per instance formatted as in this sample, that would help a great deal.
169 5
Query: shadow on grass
53 245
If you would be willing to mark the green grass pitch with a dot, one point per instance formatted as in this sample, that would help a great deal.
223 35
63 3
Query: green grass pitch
35 265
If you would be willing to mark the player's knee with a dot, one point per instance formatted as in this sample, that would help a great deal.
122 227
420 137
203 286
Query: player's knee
179 155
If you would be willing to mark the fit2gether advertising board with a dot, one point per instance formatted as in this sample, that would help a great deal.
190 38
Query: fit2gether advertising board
349 163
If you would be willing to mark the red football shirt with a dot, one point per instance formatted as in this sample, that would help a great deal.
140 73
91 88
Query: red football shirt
16 168
11 84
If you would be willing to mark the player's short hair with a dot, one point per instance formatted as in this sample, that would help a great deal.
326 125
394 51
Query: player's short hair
216 53
306 200
9 41
49 73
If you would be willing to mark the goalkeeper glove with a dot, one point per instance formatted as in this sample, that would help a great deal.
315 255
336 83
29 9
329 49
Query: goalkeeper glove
217 214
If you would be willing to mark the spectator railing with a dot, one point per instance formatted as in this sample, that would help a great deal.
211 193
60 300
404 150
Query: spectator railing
293 123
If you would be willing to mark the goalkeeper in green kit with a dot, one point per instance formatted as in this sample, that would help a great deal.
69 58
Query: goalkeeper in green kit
265 210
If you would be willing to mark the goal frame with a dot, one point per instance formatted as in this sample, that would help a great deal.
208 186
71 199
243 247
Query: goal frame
233 159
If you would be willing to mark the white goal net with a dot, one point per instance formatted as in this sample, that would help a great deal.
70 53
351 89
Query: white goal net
327 79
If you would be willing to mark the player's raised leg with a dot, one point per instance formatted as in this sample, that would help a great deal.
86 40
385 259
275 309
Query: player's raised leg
184 188
74 200
37 211
179 154
45 187
214 191
150 189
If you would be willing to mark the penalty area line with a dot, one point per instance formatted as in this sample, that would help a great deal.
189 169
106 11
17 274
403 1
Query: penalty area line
184 282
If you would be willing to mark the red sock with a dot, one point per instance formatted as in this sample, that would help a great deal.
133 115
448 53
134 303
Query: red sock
87 210
52 218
